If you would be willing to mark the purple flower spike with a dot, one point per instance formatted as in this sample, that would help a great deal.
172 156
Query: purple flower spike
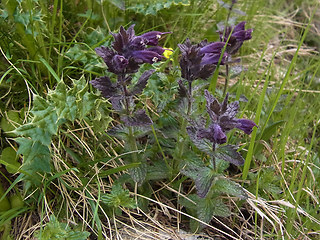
133 50
246 125
238 36
119 63
222 120
199 61
124 58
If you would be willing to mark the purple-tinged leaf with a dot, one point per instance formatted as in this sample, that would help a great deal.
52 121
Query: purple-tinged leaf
182 90
230 154
201 143
140 118
142 82
116 102
224 104
232 110
227 186
105 86
202 176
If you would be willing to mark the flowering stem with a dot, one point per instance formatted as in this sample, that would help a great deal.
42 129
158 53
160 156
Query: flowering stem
183 131
121 79
226 81
131 138
189 97
213 157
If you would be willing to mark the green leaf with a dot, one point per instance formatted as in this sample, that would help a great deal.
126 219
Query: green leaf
9 122
209 207
151 7
9 159
227 186
34 132
54 230
138 174
36 156
118 3
202 176
118 197
157 171
229 153
45 116
204 209
64 102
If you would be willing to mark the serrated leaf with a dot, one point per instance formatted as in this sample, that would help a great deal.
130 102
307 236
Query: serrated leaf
209 207
105 86
202 144
36 156
138 174
118 197
139 118
202 176
229 153
227 186
54 230
35 133
142 82
204 209
64 102
157 171
151 7
44 115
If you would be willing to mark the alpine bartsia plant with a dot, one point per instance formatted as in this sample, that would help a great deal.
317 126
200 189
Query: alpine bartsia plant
125 58
211 140
127 54
222 119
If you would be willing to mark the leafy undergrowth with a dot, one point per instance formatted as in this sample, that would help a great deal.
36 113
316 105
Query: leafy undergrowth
157 153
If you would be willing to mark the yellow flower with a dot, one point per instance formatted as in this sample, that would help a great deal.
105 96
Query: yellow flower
168 52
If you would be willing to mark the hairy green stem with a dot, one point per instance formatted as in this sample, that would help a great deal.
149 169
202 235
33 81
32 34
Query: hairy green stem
131 138
226 81
213 157
181 141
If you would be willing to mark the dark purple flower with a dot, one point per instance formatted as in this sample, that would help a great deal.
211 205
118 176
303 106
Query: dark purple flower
246 125
238 36
199 60
153 37
146 56
214 47
222 120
